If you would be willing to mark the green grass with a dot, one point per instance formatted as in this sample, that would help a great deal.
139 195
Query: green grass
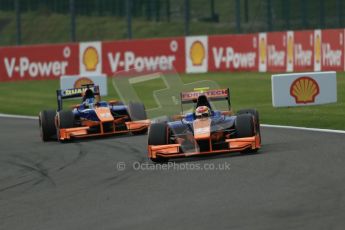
248 90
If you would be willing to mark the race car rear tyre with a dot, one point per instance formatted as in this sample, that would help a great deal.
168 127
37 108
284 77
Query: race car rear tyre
46 119
158 136
65 119
136 111
255 113
244 125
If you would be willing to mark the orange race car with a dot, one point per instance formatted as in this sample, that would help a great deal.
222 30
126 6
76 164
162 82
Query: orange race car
92 117
204 131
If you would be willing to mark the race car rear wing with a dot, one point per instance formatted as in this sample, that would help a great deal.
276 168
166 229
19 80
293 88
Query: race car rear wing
212 95
74 93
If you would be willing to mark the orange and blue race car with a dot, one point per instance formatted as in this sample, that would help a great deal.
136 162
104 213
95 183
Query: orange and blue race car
205 130
92 117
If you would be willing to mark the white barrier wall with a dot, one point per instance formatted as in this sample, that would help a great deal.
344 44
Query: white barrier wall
300 89
76 81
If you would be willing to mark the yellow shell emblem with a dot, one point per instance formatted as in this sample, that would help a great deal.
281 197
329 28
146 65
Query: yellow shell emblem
90 59
290 49
304 90
262 47
318 48
197 53
82 81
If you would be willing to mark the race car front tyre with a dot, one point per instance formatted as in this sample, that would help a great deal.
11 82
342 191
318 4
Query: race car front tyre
158 136
245 128
46 119
65 119
244 125
255 113
136 111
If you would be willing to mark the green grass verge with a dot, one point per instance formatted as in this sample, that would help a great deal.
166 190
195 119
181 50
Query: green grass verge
248 90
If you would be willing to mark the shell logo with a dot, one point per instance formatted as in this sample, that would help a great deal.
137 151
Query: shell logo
197 53
262 47
318 48
90 58
82 81
304 90
290 49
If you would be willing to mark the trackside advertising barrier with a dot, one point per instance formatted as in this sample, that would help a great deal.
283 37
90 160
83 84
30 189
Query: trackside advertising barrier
90 58
38 62
303 50
289 51
300 89
233 53
332 50
196 54
276 51
143 55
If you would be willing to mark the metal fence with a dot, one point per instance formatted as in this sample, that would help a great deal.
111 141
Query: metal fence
55 21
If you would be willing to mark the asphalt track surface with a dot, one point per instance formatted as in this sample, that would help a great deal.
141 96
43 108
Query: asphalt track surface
297 181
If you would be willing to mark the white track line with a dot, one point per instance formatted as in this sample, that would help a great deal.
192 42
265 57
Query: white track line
18 116
304 128
262 125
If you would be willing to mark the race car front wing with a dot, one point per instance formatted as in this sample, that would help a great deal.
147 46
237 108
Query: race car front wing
83 131
233 145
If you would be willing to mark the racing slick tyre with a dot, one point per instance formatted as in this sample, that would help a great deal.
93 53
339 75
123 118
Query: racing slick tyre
137 112
255 113
158 136
64 119
244 125
245 128
46 119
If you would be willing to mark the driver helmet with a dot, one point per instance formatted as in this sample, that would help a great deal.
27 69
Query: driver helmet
202 111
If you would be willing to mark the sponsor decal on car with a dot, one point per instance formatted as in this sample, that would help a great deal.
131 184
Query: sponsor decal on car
210 94
70 92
